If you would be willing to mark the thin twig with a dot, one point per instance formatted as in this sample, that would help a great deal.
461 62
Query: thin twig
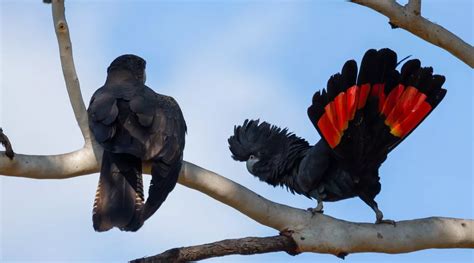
406 18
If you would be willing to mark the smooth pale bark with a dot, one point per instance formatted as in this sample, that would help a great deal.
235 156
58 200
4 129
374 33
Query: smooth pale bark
318 233
408 17
69 70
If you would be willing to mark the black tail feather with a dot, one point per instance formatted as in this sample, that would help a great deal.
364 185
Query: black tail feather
117 198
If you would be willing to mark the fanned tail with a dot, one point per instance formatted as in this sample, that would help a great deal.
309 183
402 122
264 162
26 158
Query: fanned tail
364 117
119 196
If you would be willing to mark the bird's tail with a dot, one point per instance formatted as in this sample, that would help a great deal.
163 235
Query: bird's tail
119 197
364 117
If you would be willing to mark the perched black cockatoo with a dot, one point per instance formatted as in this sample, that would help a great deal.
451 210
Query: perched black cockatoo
133 124
360 118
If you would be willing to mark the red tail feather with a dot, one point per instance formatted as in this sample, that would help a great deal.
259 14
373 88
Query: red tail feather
392 99
403 100
341 111
363 94
352 97
329 131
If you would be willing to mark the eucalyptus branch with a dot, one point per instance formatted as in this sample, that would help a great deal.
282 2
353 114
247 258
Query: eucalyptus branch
319 233
69 71
408 17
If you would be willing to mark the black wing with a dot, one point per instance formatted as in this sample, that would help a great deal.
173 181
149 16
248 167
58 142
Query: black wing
164 146
131 119
138 122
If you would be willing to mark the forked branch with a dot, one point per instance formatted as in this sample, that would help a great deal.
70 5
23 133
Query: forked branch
409 18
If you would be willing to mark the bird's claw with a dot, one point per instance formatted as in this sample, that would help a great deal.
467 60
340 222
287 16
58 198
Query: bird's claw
386 221
315 210
318 209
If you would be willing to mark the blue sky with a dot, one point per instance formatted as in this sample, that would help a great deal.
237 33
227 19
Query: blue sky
223 61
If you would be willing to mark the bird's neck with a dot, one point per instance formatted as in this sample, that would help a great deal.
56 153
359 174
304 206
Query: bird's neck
289 161
120 77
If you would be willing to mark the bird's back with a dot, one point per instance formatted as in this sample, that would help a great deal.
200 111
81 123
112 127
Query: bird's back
133 119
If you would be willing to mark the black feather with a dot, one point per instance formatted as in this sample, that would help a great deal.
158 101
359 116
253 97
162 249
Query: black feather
278 150
129 119
349 167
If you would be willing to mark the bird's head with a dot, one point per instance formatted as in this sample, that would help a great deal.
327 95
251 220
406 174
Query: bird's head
262 146
131 63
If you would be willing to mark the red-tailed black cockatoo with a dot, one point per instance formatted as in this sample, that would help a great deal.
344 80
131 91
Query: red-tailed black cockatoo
360 118
133 124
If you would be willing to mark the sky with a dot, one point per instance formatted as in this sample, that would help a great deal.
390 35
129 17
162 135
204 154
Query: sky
223 61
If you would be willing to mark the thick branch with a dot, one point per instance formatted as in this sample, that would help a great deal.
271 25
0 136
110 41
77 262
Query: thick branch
319 233
242 246
69 71
61 166
409 19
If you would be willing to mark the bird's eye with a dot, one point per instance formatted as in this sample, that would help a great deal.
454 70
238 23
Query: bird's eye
251 157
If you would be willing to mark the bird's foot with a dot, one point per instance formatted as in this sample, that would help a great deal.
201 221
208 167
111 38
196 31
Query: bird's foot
380 219
386 221
317 210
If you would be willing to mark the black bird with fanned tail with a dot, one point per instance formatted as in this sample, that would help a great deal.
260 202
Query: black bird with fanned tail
133 124
361 116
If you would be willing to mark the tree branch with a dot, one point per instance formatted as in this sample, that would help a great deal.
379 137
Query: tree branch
414 6
242 246
6 143
318 233
408 17
69 71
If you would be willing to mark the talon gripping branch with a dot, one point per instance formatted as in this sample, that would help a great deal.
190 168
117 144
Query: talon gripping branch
360 118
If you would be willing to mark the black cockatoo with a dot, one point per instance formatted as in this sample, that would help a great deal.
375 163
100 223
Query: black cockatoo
360 120
133 124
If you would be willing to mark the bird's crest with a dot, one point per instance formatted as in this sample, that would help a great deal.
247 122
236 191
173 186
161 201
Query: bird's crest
252 136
